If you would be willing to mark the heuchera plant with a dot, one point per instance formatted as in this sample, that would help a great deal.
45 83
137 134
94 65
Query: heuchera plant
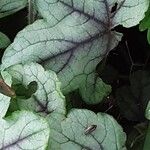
52 57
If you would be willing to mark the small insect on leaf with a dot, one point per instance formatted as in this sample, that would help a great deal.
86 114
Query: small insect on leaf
90 129
6 89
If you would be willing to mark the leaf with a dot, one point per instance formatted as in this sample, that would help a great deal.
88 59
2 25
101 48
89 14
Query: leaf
71 133
4 41
73 38
147 138
148 36
98 11
93 89
133 99
5 100
127 104
55 137
24 130
145 23
48 98
146 143
135 140
8 7
147 111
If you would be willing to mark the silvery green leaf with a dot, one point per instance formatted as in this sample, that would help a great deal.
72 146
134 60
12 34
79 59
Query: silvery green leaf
56 136
4 100
130 13
8 7
24 130
145 23
73 37
4 40
127 13
83 129
93 89
48 98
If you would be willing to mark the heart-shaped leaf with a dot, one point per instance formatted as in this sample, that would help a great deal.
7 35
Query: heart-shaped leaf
48 97
8 7
24 130
4 40
83 129
73 38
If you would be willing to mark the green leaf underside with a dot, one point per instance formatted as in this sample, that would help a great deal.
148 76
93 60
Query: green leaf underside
147 139
4 40
71 133
24 130
4 100
134 98
8 7
148 36
135 140
48 97
145 23
72 39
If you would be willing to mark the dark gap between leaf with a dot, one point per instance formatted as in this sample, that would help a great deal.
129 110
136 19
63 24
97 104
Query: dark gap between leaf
114 8
22 91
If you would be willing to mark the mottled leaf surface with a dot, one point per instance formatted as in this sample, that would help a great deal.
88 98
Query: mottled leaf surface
108 13
4 40
48 98
24 130
71 133
4 100
8 7
56 137
73 37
